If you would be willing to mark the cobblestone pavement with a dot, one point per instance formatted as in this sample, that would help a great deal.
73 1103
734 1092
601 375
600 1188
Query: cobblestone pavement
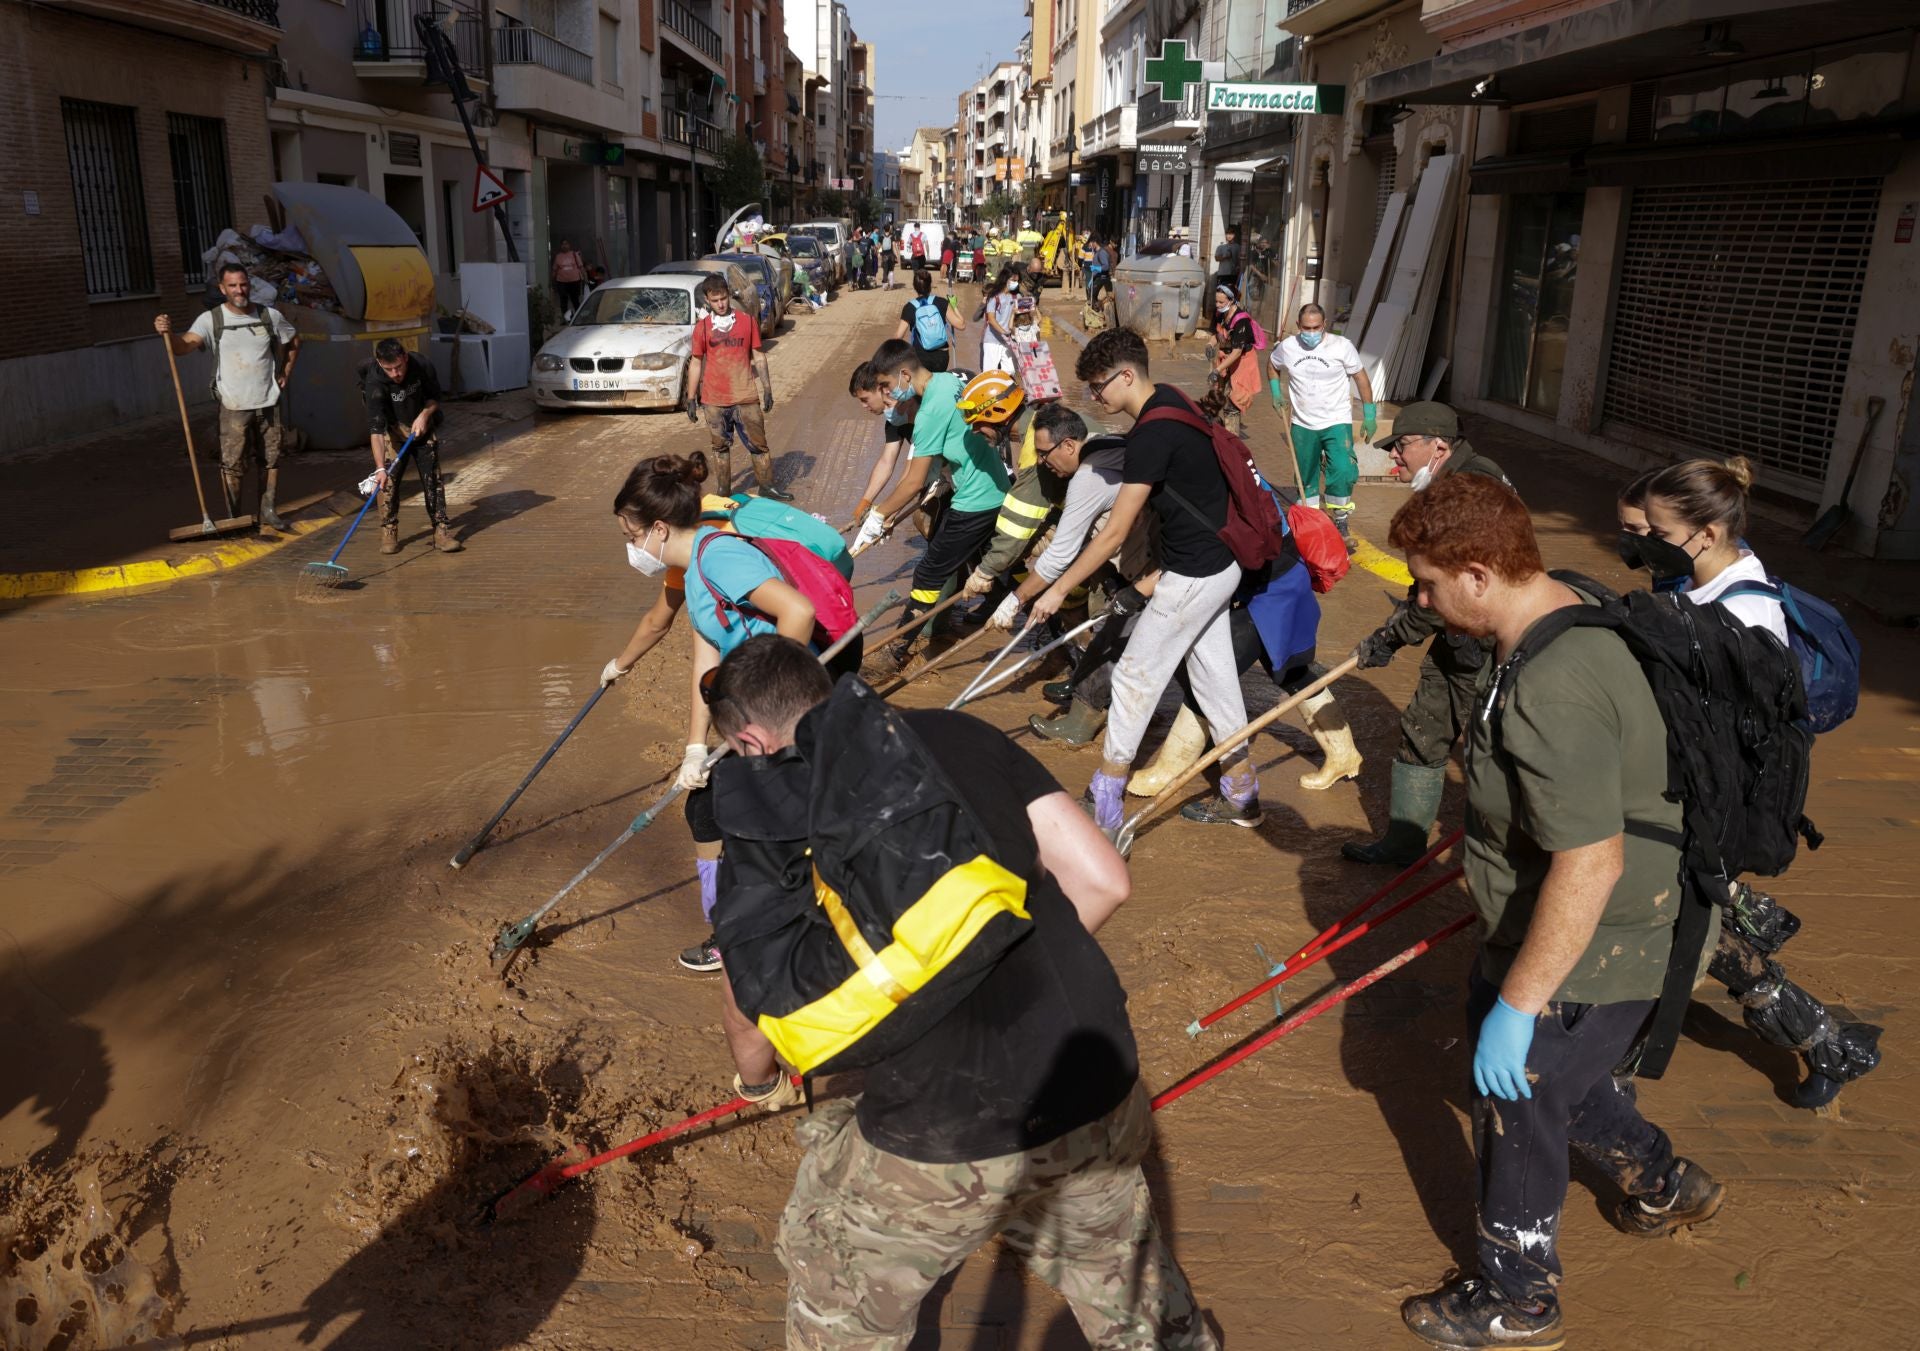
228 805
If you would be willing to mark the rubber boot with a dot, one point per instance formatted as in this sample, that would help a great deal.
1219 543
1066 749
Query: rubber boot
1186 742
390 537
1415 804
1340 523
763 470
1080 724
268 516
443 538
1329 727
230 481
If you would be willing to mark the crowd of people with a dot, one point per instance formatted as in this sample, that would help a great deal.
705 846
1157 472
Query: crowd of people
911 894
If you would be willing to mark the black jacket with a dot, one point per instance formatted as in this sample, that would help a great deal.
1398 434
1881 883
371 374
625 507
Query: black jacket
394 404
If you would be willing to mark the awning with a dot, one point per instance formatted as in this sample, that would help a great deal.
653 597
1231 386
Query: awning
1499 175
1639 166
1243 170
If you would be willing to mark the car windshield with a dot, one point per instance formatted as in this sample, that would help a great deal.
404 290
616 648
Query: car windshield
805 245
635 305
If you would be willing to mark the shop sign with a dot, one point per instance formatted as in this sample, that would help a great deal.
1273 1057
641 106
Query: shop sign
1163 159
1277 98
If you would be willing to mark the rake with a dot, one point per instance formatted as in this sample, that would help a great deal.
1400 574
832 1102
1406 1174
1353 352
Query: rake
332 572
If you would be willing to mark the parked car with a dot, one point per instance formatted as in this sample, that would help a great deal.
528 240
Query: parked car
809 255
626 346
833 243
746 296
765 272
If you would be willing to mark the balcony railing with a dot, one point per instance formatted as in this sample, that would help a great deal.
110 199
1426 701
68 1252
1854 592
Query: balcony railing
260 11
673 129
399 40
682 22
530 47
1112 130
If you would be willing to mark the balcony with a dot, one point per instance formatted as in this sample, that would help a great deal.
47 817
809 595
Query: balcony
674 125
251 26
530 47
679 19
856 79
1115 129
386 44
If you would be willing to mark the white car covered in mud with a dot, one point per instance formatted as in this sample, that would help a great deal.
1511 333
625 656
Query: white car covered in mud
625 347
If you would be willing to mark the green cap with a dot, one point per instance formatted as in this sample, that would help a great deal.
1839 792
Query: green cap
1423 419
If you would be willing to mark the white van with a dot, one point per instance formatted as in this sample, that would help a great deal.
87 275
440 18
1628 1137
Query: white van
936 234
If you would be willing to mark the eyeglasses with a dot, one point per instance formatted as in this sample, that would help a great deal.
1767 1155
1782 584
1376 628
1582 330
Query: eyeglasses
1098 388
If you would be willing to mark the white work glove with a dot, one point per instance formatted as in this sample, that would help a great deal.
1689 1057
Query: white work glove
980 582
871 530
1008 612
693 767
612 671
779 1095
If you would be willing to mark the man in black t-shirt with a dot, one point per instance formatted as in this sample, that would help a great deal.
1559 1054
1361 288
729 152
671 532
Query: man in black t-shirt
1172 468
402 397
1019 1113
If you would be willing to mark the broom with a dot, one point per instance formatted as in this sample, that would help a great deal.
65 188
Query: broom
332 573
208 526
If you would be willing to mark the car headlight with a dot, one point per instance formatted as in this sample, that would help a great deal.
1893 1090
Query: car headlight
655 361
547 363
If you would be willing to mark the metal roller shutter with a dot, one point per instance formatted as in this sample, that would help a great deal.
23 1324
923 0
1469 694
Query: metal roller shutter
1735 316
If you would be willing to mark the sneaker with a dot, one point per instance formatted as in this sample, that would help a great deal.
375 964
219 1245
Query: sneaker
1346 531
776 494
1471 1313
1690 1197
702 956
1219 811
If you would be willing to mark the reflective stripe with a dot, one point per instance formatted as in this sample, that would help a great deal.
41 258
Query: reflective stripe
924 597
927 938
1033 511
1019 531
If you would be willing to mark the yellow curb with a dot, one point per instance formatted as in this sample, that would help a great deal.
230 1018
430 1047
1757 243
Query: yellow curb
1380 564
150 572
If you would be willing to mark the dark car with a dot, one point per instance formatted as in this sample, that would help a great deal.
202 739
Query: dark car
810 254
766 279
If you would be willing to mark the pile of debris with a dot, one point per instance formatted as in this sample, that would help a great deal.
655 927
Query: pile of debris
283 272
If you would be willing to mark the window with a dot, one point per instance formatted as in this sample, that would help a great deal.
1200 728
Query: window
609 50
201 199
103 156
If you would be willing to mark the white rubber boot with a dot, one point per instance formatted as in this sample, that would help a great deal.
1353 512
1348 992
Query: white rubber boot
1329 727
1186 742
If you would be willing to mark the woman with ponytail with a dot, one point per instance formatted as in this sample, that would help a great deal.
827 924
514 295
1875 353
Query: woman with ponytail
1696 513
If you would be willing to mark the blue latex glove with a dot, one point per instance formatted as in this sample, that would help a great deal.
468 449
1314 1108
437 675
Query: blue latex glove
1500 1058
1369 420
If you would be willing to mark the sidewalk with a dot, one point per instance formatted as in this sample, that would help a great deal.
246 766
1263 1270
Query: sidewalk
92 513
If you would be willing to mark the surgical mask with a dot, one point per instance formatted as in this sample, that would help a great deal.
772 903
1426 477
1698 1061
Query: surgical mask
643 562
721 323
1669 563
1311 340
1422 476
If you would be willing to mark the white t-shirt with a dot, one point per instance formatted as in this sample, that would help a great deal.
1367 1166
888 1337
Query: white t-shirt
1319 382
247 378
1756 612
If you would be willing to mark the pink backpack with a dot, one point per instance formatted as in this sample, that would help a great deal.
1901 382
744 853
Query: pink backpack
803 570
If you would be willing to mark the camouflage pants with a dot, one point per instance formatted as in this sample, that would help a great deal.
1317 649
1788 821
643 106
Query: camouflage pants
1442 702
867 1234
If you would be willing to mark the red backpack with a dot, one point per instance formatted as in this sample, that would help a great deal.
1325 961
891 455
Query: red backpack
803 570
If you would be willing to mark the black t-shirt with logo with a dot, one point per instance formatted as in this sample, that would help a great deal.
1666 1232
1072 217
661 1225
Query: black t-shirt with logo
1042 1046
1167 456
392 405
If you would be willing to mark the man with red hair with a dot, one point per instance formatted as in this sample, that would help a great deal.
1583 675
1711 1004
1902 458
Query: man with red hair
1573 861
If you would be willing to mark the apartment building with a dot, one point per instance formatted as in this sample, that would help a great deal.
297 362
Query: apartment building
923 164
821 34
134 132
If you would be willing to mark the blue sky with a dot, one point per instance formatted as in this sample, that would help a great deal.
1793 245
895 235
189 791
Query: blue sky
926 52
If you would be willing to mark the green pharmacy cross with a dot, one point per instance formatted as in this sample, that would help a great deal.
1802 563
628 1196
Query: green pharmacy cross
1173 70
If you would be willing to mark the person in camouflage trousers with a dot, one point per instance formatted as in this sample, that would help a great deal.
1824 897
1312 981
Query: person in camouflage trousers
1426 446
867 1234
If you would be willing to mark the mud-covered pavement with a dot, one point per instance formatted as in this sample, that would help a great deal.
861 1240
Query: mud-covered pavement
261 1080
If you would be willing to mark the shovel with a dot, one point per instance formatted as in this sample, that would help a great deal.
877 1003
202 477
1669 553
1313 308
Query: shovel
1822 531
208 527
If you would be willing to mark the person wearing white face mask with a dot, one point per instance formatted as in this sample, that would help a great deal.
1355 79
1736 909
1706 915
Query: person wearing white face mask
732 591
1319 368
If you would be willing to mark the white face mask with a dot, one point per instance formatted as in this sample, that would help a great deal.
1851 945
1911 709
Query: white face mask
1423 476
643 562
722 323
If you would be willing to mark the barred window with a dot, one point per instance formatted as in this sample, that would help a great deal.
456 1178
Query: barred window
201 197
103 156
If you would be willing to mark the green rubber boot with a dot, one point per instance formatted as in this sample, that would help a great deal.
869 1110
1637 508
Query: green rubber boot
1080 724
1414 805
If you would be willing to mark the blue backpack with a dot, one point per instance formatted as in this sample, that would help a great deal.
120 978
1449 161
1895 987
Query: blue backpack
1828 653
929 325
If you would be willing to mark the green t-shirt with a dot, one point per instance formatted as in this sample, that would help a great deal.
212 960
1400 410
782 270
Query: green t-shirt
1577 754
979 479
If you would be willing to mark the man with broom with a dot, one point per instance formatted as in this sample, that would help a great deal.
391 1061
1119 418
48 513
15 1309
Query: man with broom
254 348
403 400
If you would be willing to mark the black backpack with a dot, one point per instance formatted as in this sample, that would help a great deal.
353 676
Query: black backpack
1738 752
859 897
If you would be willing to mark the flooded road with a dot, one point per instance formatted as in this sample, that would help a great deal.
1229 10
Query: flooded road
261 1079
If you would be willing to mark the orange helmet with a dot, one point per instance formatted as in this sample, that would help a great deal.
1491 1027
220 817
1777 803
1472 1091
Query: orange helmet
991 398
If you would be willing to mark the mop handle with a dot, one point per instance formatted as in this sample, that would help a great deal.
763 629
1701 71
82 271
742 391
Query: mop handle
391 469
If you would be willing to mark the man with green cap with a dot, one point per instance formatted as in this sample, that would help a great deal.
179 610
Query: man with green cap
1426 445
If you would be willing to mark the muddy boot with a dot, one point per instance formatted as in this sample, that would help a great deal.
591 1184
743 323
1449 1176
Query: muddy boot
1471 1313
1688 1196
1345 528
1057 691
1186 742
1080 724
268 516
1329 727
230 483
390 537
763 471
444 539
1414 805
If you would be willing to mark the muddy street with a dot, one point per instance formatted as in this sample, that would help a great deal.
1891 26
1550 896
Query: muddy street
262 1080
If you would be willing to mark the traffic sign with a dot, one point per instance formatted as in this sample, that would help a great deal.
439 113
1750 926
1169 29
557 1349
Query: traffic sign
488 190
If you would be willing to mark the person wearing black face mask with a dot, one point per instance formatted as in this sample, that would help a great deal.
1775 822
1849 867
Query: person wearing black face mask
1631 507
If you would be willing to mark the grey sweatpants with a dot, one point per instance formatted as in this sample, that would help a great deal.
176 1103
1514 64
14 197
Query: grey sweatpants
1186 620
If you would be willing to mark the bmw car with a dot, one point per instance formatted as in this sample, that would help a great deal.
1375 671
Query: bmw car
627 346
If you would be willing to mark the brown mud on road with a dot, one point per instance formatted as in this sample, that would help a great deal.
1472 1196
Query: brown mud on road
261 1081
